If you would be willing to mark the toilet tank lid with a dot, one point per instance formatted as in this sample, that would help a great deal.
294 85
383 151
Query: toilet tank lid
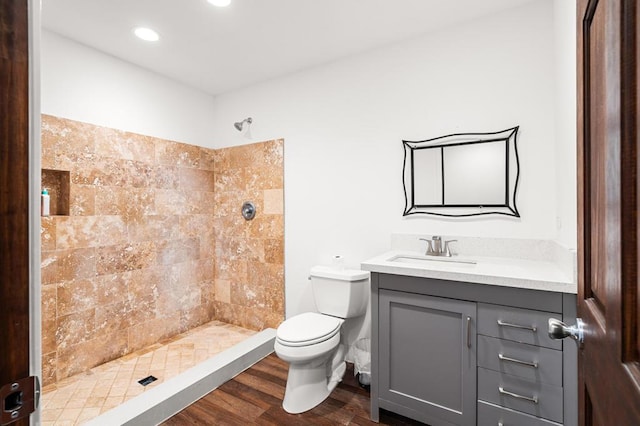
339 274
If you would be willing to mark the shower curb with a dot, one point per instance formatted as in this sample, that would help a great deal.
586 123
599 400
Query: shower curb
174 395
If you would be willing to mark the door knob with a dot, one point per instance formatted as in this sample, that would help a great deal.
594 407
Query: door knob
559 330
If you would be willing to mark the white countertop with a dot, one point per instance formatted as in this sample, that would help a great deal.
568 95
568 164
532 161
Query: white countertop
534 274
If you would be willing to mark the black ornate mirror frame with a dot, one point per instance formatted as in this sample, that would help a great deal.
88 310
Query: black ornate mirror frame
511 175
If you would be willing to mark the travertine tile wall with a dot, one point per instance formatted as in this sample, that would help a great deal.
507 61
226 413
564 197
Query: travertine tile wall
134 261
249 258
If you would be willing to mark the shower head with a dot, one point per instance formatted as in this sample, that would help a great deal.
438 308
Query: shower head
240 124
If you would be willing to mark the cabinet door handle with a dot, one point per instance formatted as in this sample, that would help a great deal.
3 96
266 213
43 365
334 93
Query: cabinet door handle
517 361
468 332
533 399
523 327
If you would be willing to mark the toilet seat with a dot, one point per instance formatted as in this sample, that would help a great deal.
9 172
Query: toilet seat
307 329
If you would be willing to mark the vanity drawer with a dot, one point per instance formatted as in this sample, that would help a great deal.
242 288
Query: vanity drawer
533 363
518 394
519 325
493 415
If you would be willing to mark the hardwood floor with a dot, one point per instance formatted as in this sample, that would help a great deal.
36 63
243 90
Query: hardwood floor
255 397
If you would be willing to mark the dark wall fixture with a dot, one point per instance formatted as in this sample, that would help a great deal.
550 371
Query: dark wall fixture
463 174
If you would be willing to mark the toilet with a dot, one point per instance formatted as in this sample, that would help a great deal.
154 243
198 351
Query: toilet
312 343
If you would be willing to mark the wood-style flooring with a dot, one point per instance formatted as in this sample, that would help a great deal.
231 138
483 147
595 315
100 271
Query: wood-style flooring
255 397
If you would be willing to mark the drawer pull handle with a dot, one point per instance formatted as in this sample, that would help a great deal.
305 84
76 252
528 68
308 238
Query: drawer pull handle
523 327
533 399
517 361
468 332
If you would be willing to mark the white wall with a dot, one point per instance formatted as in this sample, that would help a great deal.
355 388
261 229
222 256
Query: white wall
565 120
343 125
84 84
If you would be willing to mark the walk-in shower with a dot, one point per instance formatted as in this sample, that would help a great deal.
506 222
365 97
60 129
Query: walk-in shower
146 241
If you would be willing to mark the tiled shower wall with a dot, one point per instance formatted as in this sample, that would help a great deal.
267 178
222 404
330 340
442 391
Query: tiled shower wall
134 261
249 273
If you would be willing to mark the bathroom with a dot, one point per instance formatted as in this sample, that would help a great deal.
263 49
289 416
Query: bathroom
342 124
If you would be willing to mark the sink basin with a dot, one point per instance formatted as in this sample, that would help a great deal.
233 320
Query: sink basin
431 261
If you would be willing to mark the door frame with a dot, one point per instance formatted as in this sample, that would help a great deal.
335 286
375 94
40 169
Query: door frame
35 155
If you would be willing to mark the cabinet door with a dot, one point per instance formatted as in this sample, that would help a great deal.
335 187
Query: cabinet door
427 357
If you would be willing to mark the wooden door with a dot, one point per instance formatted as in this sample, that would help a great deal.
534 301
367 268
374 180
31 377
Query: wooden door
609 369
14 198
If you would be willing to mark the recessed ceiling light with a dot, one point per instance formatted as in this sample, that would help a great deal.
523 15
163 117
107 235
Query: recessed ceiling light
220 3
146 34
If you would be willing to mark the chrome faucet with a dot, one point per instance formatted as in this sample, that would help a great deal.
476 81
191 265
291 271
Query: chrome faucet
435 247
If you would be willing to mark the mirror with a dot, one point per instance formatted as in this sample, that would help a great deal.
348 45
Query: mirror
464 174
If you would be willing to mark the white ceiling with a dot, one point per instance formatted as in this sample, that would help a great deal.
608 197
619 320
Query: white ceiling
220 49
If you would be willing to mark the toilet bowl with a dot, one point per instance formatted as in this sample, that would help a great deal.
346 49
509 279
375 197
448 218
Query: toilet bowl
307 342
311 342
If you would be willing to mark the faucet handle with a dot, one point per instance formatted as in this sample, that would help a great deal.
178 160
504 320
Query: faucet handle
447 251
429 246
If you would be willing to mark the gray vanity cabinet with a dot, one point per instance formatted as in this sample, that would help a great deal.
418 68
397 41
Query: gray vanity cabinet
427 350
456 353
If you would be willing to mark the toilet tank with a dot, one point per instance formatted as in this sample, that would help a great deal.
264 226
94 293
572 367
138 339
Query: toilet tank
342 293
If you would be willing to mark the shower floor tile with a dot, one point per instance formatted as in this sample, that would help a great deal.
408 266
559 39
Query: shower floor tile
80 398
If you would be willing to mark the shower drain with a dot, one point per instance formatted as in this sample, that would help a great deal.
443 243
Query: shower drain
147 380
